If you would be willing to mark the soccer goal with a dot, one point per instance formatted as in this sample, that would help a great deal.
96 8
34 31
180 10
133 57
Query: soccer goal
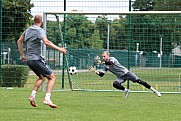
146 42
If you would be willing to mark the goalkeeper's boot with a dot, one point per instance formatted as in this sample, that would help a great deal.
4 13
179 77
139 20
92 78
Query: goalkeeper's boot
32 101
127 91
49 103
155 91
158 93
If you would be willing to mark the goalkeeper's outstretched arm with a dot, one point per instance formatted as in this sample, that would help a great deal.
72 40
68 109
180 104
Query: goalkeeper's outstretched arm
101 74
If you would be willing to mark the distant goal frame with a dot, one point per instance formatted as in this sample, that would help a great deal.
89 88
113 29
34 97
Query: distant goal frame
100 13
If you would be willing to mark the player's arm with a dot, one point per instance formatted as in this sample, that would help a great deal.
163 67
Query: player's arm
53 46
20 47
100 73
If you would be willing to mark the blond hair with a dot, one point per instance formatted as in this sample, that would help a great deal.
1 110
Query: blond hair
106 52
38 18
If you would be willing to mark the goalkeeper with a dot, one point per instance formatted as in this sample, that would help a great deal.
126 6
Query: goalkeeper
111 64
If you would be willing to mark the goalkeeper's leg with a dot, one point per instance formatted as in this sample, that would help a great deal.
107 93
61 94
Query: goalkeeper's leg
145 84
131 76
117 85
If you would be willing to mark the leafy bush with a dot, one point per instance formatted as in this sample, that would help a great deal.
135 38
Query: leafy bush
14 75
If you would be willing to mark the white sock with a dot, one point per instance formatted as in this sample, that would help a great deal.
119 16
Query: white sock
125 90
33 93
47 96
154 90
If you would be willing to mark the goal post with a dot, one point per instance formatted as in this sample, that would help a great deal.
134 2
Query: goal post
62 44
146 42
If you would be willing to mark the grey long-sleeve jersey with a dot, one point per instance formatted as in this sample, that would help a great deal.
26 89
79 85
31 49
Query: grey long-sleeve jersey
115 67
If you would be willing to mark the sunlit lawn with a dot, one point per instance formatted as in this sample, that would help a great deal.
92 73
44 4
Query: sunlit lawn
89 106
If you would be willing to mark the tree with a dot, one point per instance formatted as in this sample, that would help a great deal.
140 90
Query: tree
167 5
118 38
102 22
157 5
82 33
53 33
149 28
15 16
139 5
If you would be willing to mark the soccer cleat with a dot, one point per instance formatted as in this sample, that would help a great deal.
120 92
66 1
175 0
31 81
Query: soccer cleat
127 93
49 103
158 93
32 101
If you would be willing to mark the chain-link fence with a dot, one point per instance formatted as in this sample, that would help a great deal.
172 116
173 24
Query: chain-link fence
146 42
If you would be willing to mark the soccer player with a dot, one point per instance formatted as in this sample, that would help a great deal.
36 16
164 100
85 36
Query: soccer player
122 73
29 46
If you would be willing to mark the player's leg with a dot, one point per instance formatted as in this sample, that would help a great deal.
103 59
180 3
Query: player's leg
148 86
47 72
145 84
131 76
50 85
42 70
118 85
38 83
36 86
33 66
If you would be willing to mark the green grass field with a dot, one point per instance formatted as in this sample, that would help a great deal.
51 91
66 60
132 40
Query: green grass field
97 106
89 106
164 80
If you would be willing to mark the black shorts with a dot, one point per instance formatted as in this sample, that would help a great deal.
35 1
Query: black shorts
39 67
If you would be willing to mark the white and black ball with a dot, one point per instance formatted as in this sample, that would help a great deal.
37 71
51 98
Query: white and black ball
72 70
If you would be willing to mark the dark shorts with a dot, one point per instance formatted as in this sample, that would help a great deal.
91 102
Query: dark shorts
39 67
128 76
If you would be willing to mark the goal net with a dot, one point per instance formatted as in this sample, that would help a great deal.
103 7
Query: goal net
146 42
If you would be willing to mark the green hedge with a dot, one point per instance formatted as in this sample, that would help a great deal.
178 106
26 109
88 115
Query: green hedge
14 75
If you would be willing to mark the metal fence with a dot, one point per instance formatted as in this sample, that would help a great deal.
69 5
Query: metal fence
12 24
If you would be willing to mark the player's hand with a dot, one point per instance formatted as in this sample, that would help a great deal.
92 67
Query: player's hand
92 68
63 50
97 72
97 60
23 58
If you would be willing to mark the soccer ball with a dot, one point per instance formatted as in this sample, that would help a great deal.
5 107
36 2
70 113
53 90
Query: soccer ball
72 70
